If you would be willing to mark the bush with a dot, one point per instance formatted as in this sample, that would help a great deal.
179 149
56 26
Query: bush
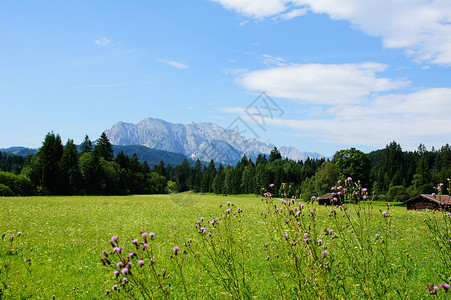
397 193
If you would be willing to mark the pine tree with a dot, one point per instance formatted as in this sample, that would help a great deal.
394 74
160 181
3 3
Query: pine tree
46 169
86 146
104 148
70 168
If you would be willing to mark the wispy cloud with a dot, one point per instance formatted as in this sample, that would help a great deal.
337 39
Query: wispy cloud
101 85
270 60
102 41
174 63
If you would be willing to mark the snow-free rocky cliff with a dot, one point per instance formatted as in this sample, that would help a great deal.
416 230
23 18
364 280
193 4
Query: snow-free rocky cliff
205 141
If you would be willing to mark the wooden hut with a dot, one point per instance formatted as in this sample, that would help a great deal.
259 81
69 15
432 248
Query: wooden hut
326 199
426 201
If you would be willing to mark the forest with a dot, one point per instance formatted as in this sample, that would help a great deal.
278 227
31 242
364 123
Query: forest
389 173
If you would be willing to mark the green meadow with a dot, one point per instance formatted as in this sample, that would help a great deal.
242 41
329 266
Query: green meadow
63 238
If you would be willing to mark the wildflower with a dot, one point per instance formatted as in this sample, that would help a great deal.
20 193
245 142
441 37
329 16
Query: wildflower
120 264
124 270
239 209
124 279
271 185
445 286
448 214
209 233
364 190
384 213
135 241
143 234
229 203
114 239
19 233
298 213
324 252
365 196
388 205
141 262
339 181
145 246
349 179
201 218
152 235
312 213
114 287
129 263
302 205
176 249
285 236
227 210
306 239
331 231
12 238
377 236
313 198
320 241
266 245
116 272
151 261
306 234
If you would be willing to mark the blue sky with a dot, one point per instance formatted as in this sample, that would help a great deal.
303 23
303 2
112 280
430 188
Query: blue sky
346 73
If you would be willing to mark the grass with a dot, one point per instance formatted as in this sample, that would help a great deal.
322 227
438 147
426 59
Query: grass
64 237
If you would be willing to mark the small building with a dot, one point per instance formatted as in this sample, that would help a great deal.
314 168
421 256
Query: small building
427 201
326 199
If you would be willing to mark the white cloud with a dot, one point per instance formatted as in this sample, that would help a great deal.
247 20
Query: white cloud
293 14
321 83
421 27
258 9
410 119
278 61
102 41
174 64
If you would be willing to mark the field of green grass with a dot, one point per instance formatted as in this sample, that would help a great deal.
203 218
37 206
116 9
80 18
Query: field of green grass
63 237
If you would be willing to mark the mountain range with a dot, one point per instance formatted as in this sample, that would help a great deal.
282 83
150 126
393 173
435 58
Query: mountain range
203 141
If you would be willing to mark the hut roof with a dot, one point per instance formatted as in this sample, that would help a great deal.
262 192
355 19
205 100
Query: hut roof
439 199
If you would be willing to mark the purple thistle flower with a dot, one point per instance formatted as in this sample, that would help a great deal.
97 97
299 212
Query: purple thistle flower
364 190
320 241
306 239
285 236
145 246
331 231
302 205
19 233
339 181
141 262
349 179
306 234
143 234
152 235
448 214
325 252
124 279
176 249
104 252
365 196
271 185
298 213
239 209
135 241
446 287
201 218
377 236
209 233
384 213
124 270
312 213
116 272
229 203
114 239
120 264
129 263
114 288
228 210
266 245
12 238
151 261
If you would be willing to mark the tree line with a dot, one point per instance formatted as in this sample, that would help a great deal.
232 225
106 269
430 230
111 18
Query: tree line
389 173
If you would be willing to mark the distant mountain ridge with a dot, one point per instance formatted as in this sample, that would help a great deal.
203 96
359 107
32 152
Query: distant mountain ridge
205 141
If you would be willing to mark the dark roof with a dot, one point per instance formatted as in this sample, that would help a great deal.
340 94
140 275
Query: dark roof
326 196
439 199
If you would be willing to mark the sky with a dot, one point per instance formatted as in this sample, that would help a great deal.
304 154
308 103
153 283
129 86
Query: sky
318 75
